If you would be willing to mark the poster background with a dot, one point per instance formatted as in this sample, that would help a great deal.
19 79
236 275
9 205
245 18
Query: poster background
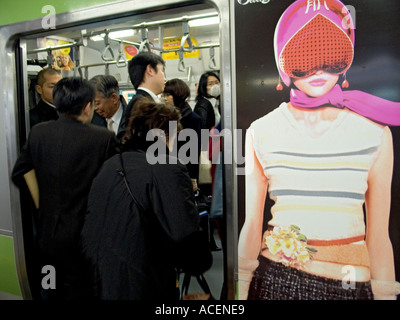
62 58
375 69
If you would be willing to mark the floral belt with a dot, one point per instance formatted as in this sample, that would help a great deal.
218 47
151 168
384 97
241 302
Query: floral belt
288 246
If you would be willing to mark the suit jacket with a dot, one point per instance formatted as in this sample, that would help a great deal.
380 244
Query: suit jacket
66 155
42 112
101 121
139 95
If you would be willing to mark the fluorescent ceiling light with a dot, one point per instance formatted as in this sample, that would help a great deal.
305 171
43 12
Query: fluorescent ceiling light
114 35
122 33
99 37
204 22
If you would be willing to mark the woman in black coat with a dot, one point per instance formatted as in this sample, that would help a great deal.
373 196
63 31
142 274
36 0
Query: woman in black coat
135 229
207 100
208 108
176 92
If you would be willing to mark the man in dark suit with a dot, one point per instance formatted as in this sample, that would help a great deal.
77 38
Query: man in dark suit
109 105
66 155
146 71
45 109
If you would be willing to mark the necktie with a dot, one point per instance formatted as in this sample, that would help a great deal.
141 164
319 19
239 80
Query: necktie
110 123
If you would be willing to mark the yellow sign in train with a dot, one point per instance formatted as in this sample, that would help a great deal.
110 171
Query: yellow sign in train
175 44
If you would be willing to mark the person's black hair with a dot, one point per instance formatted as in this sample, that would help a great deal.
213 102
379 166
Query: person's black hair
137 66
106 85
71 95
179 91
202 87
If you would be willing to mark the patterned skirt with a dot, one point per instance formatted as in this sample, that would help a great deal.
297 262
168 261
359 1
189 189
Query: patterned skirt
275 281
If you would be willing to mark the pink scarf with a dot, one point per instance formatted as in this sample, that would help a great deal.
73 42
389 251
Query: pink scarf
372 107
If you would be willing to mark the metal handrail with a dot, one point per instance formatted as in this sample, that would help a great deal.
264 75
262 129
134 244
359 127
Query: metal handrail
174 20
137 26
61 46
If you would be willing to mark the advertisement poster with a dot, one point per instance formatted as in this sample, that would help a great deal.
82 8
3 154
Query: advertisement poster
174 44
62 59
318 92
130 51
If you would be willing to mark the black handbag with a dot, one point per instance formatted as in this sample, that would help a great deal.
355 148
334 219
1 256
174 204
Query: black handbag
203 202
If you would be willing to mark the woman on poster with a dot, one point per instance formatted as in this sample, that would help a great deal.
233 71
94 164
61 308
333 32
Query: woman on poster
322 156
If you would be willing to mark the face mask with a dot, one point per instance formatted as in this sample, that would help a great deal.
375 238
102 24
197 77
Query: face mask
215 91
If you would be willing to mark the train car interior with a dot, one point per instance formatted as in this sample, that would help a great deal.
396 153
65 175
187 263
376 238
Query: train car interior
187 41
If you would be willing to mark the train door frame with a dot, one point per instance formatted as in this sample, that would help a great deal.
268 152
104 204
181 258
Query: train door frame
15 101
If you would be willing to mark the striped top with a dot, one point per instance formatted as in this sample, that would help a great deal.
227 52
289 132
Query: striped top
318 182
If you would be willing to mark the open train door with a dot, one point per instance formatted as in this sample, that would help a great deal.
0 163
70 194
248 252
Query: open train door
71 30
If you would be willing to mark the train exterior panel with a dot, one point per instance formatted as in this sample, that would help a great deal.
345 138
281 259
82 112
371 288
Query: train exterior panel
23 10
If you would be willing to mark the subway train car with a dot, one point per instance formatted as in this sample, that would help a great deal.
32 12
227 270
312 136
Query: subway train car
232 38
97 37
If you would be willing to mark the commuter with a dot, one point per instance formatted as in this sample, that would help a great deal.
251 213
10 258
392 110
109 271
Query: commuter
139 230
207 100
208 108
109 105
176 92
45 109
146 71
65 156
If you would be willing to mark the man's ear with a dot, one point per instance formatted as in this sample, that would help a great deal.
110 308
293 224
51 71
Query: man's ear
88 108
39 89
115 97
149 70
87 113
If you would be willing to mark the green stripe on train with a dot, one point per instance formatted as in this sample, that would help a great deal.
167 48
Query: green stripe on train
8 272
22 10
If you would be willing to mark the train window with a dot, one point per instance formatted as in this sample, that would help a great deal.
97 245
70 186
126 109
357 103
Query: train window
188 38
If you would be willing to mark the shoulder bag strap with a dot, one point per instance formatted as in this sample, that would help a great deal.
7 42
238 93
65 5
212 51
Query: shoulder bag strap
122 173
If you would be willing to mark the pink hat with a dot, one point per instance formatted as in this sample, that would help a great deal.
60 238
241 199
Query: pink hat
312 35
